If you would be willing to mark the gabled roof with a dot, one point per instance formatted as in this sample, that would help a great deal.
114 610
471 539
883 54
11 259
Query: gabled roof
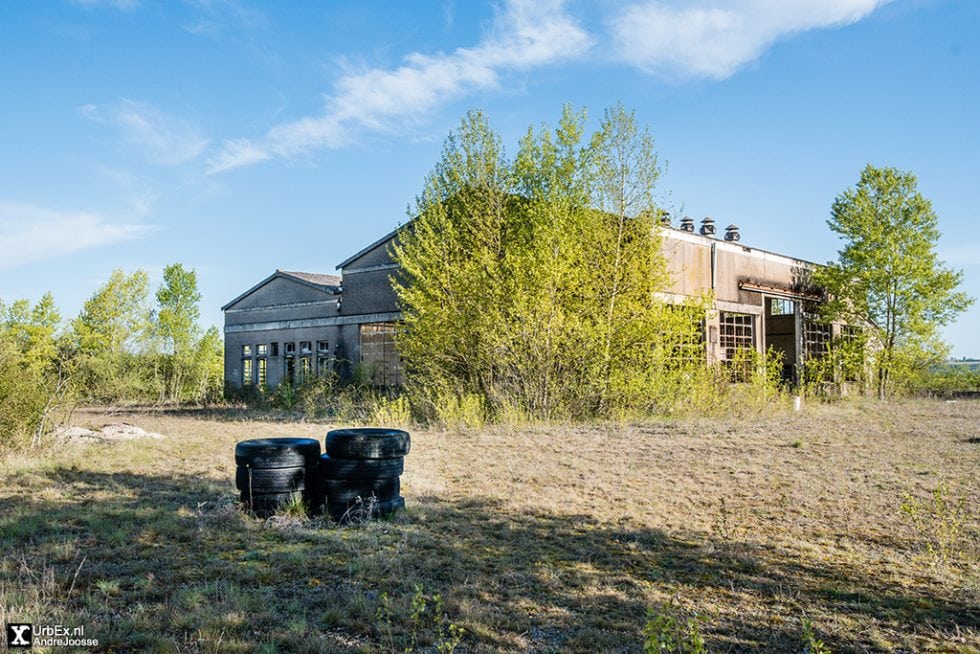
327 283
381 240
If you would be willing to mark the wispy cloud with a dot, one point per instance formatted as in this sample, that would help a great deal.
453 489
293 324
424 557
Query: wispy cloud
714 38
215 17
160 138
32 233
122 5
961 255
527 34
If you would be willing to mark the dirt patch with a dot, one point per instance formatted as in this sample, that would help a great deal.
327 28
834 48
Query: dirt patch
113 432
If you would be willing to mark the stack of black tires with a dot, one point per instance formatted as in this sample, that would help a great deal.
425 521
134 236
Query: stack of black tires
272 471
359 473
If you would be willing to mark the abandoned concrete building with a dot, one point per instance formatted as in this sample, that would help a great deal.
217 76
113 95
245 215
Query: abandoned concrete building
292 324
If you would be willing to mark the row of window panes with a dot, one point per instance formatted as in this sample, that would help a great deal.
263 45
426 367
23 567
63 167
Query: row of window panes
305 347
303 371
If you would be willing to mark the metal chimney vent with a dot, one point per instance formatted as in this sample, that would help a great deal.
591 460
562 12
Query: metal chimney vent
731 233
687 224
665 219
707 227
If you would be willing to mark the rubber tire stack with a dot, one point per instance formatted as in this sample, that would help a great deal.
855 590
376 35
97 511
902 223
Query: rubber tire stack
360 471
271 470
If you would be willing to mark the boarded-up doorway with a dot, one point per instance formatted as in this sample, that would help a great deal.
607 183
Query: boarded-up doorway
379 358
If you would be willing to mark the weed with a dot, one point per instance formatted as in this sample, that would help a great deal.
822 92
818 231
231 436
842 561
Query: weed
812 644
108 588
296 507
395 412
426 623
727 525
939 523
665 632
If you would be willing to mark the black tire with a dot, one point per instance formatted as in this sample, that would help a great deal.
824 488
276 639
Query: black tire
331 468
354 513
344 491
277 452
368 443
274 480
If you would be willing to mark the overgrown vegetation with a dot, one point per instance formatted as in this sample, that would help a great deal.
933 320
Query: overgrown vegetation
530 287
119 349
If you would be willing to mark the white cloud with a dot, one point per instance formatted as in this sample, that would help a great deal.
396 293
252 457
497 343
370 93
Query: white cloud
32 233
526 34
714 38
160 138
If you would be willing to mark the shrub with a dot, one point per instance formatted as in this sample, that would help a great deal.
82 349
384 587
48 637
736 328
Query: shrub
665 631
939 523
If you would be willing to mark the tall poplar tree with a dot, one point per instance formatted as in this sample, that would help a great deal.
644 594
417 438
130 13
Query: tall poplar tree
888 276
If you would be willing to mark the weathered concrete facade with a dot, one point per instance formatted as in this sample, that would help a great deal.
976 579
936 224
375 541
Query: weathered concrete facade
285 327
761 300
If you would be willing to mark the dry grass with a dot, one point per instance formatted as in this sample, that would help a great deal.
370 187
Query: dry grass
548 539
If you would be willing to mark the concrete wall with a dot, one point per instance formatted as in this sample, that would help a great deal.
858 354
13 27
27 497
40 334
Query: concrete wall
281 311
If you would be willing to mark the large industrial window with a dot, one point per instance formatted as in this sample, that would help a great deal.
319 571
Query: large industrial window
246 350
378 354
275 349
816 337
737 341
262 371
305 369
323 347
246 372
261 350
305 347
323 366
687 336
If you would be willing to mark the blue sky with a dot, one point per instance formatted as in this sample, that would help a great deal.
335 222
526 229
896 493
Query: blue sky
239 137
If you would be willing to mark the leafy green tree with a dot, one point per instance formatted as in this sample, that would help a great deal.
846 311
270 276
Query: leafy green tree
208 367
888 277
178 312
35 392
33 330
534 284
110 332
629 265
176 324
448 255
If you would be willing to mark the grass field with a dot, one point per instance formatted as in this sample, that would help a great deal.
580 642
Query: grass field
543 539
